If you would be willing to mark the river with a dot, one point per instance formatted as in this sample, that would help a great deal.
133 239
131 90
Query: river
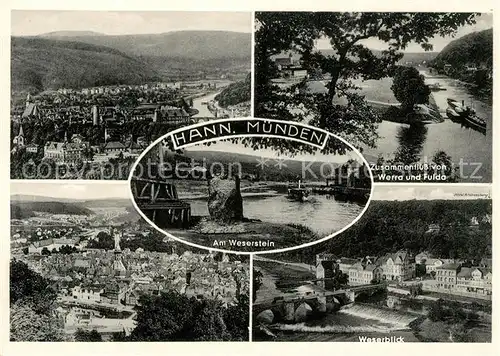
203 108
322 213
462 144
348 324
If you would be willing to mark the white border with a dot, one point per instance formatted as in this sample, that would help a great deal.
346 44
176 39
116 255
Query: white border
165 137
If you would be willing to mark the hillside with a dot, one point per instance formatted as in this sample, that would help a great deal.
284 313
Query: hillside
291 170
106 203
388 226
415 57
186 44
22 210
39 198
57 34
40 64
235 93
475 48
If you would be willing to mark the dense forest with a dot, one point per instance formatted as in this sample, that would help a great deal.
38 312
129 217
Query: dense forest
32 306
22 210
474 49
41 64
77 60
291 170
235 93
388 226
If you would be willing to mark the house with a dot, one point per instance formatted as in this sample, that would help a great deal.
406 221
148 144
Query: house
345 264
433 228
474 280
446 275
50 244
113 294
474 221
31 110
486 262
64 152
32 148
289 68
89 293
19 139
364 274
132 297
486 219
422 257
77 138
432 264
399 266
114 147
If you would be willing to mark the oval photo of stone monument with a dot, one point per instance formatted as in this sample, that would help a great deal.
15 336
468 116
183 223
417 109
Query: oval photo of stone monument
251 194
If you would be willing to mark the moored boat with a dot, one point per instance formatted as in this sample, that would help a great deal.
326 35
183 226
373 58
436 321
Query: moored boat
452 114
476 121
298 193
436 87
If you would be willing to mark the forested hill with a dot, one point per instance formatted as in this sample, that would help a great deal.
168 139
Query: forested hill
388 226
200 45
475 48
23 210
40 64
235 93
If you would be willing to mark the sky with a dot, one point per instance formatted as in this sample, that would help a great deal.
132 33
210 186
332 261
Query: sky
483 22
420 192
29 23
268 153
77 191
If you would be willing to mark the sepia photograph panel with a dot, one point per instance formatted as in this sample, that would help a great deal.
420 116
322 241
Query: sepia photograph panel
416 267
91 90
86 267
412 91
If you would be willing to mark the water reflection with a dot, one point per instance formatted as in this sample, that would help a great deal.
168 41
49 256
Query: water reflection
411 143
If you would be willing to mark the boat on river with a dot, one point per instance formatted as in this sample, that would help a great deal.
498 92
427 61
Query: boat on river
474 120
467 114
299 193
460 108
436 87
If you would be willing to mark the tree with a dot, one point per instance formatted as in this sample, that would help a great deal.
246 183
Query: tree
87 336
29 286
236 318
409 88
27 325
348 59
31 306
163 318
257 282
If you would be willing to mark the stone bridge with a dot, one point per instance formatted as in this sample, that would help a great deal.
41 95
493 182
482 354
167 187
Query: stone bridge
298 307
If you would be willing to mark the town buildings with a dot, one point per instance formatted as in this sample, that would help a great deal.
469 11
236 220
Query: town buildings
399 266
290 67
457 279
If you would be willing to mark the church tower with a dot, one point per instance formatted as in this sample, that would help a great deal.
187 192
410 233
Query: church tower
95 115
19 139
119 269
